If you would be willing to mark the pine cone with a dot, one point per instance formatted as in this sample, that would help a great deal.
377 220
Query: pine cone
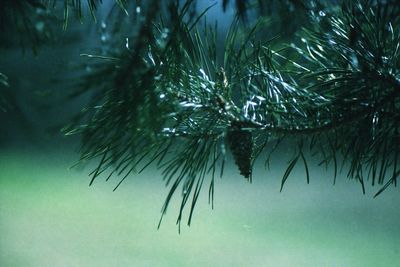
240 142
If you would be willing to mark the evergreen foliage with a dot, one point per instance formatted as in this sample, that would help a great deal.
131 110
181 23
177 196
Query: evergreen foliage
163 95
27 23
3 85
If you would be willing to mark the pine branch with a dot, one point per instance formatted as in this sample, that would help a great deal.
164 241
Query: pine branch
173 103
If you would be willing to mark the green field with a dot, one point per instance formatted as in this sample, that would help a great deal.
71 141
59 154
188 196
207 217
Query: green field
50 217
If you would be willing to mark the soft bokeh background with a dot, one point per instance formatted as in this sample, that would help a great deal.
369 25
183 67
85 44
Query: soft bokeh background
49 216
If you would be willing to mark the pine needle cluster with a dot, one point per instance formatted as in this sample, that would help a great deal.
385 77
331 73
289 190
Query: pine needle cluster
167 94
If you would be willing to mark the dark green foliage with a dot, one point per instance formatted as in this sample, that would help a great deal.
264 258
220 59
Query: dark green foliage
27 23
3 98
353 60
337 90
165 95
77 7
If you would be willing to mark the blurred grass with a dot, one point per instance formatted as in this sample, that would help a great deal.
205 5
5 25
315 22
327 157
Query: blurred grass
50 217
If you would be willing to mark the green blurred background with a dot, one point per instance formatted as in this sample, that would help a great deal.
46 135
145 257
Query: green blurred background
50 217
